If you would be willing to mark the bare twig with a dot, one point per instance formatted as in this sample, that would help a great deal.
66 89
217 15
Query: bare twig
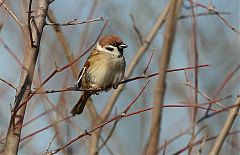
169 35
1 2
136 29
211 9
221 86
67 50
123 82
203 14
118 117
203 139
207 97
149 61
30 58
45 128
136 98
124 115
8 83
195 53
109 135
226 128
169 141
85 33
51 142
7 8
75 22
12 53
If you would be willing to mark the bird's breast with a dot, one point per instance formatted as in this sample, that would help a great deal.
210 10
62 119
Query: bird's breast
106 71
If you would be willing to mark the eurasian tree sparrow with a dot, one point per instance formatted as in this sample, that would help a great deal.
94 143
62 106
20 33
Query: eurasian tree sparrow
103 69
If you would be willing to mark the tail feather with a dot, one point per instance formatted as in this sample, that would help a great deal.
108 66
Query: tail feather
78 108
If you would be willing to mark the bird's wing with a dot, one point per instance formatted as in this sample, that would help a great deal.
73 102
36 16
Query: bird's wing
82 72
85 67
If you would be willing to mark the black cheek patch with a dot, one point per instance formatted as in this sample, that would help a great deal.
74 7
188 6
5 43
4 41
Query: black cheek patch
109 48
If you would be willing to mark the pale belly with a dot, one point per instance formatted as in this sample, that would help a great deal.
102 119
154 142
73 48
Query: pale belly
106 74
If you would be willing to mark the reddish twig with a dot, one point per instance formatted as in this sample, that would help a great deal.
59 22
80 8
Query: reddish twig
148 64
136 98
123 82
207 97
154 74
211 9
45 128
109 136
136 29
12 53
224 83
201 140
124 115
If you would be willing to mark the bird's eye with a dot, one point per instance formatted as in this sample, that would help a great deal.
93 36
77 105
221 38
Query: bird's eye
114 44
109 48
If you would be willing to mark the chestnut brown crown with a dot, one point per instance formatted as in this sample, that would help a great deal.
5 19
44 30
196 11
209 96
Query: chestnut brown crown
113 40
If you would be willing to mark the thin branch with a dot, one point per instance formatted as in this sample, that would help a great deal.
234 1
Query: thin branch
211 9
207 97
226 128
51 142
169 141
9 84
75 22
136 98
224 83
136 29
45 128
85 32
12 53
109 135
119 117
148 64
203 14
215 113
6 7
123 82
1 3
62 39
195 53
203 139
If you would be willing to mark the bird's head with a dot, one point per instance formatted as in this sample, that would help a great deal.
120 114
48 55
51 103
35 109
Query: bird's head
111 44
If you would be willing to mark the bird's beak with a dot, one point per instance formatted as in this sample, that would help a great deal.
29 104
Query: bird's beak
122 46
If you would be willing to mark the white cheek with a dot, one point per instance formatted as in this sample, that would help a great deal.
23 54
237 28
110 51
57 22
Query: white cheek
115 50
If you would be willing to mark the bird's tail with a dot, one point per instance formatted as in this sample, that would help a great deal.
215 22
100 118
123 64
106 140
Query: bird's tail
78 108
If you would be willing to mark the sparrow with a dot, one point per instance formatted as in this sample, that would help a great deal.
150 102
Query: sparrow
104 69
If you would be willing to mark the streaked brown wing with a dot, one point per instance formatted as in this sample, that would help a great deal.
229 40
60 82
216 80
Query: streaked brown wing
85 68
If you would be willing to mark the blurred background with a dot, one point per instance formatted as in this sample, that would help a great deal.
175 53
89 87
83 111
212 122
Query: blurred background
217 45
